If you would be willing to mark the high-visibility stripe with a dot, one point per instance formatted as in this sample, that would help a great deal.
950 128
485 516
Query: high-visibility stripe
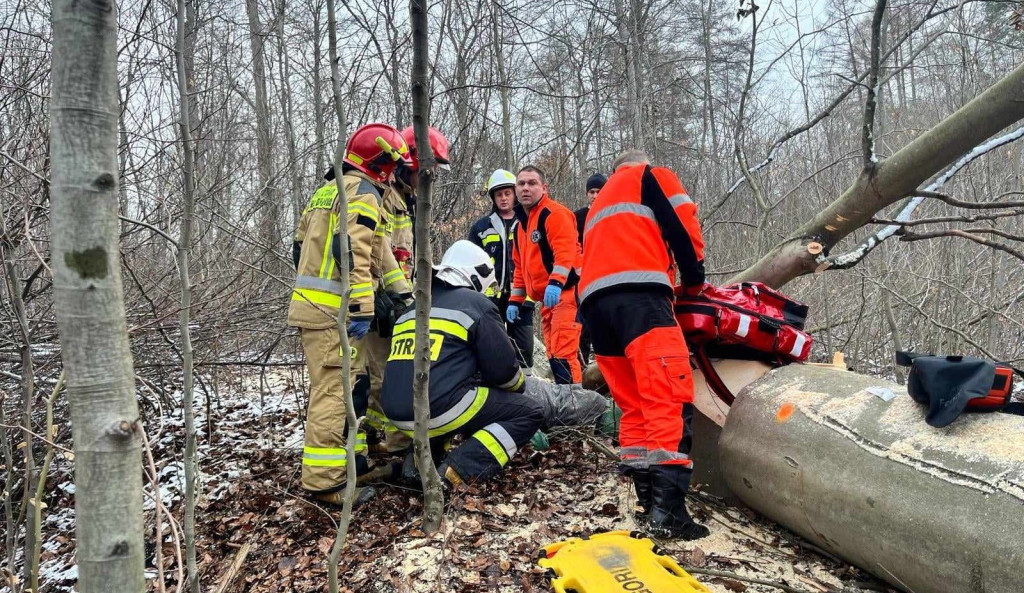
515 382
321 284
679 199
317 298
361 289
377 419
324 456
507 442
441 325
327 260
632 277
518 292
492 445
441 313
666 457
620 208
361 208
393 276
492 237
355 158
403 221
564 271
459 414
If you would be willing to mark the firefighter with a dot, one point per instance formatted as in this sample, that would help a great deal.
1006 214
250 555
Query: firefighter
642 220
395 231
371 156
594 184
546 257
475 383
495 234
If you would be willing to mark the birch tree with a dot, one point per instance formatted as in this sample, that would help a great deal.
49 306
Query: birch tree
89 298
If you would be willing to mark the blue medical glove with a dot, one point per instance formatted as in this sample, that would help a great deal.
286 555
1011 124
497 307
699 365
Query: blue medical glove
551 295
357 328
512 313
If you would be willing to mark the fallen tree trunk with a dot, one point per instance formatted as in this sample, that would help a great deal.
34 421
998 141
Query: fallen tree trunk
928 510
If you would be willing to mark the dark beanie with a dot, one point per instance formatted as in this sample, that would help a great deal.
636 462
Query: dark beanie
596 181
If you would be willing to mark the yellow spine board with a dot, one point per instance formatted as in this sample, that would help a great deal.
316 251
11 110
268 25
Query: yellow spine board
612 562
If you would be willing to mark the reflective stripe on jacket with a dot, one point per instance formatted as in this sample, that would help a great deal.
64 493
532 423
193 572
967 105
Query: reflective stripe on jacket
488 233
641 214
470 352
317 295
546 250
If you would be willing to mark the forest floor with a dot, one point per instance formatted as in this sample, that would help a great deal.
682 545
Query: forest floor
252 510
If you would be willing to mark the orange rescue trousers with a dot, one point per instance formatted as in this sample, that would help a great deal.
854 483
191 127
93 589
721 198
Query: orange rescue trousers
643 357
561 332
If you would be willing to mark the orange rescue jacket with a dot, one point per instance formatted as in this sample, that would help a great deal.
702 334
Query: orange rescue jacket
547 250
640 220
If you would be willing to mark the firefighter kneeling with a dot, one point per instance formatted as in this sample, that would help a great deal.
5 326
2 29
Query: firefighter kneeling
475 381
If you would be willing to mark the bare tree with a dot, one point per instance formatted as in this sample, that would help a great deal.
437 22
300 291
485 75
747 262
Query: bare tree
89 298
185 23
433 499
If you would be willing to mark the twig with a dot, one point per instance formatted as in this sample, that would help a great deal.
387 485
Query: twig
236 565
739 577
37 501
601 447
969 236
972 205
942 219
158 551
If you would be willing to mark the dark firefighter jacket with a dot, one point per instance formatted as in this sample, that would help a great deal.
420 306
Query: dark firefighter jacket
488 233
469 348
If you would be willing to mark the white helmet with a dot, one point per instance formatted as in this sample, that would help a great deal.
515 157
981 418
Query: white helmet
499 179
465 264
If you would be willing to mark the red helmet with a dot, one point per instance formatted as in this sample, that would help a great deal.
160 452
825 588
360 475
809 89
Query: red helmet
438 143
376 149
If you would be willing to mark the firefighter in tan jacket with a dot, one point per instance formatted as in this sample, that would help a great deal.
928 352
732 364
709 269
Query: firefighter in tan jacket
397 237
370 160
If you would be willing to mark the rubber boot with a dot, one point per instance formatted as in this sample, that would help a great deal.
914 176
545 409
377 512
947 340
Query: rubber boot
668 517
642 485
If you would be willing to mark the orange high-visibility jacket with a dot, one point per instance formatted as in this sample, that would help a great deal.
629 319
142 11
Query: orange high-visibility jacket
641 214
547 250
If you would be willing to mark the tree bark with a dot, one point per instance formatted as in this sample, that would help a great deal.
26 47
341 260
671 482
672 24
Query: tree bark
267 198
346 352
185 86
433 500
893 179
89 298
506 119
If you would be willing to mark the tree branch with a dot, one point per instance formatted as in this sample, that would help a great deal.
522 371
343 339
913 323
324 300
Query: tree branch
870 104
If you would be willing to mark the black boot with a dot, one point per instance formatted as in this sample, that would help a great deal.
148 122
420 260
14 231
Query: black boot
642 485
668 517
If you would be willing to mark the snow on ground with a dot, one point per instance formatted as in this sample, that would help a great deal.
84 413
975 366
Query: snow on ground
488 542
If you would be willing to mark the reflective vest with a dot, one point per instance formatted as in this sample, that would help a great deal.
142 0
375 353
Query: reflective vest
641 214
546 250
